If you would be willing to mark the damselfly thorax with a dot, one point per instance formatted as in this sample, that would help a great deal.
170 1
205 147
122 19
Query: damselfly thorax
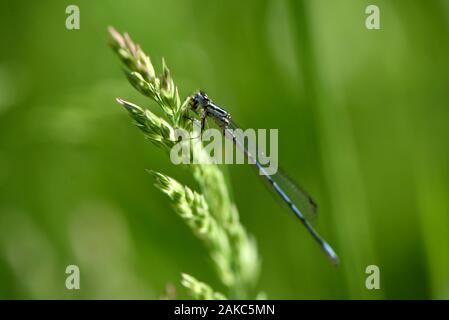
201 104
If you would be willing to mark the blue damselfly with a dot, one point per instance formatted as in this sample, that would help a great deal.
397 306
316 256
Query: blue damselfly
299 202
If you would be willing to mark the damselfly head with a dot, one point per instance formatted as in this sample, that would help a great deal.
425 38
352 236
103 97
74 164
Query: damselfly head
199 100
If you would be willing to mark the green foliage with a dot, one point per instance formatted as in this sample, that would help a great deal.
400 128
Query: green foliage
200 290
210 214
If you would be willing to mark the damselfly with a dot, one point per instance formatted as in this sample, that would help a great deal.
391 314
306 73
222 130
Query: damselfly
299 202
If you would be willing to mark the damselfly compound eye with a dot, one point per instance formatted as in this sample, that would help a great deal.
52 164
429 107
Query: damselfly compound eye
202 98
194 103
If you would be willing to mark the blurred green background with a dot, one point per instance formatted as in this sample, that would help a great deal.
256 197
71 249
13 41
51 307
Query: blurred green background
363 119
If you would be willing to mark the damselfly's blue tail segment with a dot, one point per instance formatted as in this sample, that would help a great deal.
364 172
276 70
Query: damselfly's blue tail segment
299 202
